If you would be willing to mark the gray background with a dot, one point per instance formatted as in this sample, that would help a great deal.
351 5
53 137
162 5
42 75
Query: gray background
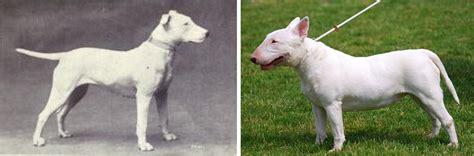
202 96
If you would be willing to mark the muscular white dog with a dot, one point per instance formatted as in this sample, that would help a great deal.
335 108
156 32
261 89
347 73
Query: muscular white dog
146 69
335 82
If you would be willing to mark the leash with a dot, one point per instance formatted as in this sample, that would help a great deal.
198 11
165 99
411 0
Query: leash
337 27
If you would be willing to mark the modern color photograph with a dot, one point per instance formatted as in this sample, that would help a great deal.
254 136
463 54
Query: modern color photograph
396 79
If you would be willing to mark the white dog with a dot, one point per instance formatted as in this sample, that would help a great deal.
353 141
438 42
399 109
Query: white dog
335 82
146 69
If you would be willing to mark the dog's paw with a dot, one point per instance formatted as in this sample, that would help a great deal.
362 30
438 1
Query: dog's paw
335 149
320 139
169 137
145 147
39 142
453 145
431 136
65 134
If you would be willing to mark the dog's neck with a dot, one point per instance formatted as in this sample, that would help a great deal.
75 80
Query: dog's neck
160 38
309 56
307 51
162 44
312 54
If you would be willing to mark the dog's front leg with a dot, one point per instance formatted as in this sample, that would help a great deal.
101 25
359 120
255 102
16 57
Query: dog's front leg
143 102
320 123
334 113
161 98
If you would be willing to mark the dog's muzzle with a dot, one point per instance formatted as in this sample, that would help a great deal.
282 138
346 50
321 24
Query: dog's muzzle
254 60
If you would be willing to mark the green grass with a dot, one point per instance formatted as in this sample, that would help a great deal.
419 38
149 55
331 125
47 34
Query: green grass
277 118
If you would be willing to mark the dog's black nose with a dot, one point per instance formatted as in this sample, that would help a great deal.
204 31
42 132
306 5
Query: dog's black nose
254 60
207 34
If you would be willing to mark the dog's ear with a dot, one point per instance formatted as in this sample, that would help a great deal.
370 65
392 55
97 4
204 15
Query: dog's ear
301 29
294 22
172 12
165 18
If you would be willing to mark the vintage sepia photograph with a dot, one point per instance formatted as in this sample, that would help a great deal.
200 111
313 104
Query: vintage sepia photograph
118 77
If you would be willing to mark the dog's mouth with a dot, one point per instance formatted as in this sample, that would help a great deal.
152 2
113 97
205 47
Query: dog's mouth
203 37
270 65
200 40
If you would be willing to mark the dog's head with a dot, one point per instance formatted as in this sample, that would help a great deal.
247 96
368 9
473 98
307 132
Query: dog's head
279 46
176 27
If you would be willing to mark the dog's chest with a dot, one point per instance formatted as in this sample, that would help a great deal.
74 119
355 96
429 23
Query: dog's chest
309 90
148 75
164 73
309 84
156 70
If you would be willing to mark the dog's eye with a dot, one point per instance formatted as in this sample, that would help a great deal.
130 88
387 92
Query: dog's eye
274 41
186 23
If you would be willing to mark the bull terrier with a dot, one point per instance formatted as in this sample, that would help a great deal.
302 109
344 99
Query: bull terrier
335 82
146 70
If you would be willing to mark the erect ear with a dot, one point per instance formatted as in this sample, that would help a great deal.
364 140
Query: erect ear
172 12
165 18
301 29
294 22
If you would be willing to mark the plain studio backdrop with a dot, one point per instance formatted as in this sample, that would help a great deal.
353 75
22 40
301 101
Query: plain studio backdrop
202 96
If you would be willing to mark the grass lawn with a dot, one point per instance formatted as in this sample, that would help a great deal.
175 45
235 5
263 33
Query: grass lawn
277 118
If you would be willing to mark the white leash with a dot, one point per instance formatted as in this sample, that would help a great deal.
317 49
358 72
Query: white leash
335 28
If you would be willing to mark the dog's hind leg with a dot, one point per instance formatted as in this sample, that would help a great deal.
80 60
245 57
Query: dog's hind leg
161 98
434 104
61 113
425 85
436 124
62 86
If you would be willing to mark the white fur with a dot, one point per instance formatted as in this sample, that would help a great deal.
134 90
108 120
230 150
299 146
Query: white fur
146 69
335 82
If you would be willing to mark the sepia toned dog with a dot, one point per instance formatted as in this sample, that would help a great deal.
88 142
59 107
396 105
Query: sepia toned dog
146 69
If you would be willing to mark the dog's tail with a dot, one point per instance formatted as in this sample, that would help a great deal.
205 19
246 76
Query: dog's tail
441 68
48 56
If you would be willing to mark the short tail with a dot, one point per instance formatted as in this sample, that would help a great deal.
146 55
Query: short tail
441 68
48 56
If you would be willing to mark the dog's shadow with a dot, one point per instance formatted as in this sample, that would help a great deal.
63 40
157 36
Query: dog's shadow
104 137
306 141
379 137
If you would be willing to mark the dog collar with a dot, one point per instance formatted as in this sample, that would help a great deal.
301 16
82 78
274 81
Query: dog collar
161 44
